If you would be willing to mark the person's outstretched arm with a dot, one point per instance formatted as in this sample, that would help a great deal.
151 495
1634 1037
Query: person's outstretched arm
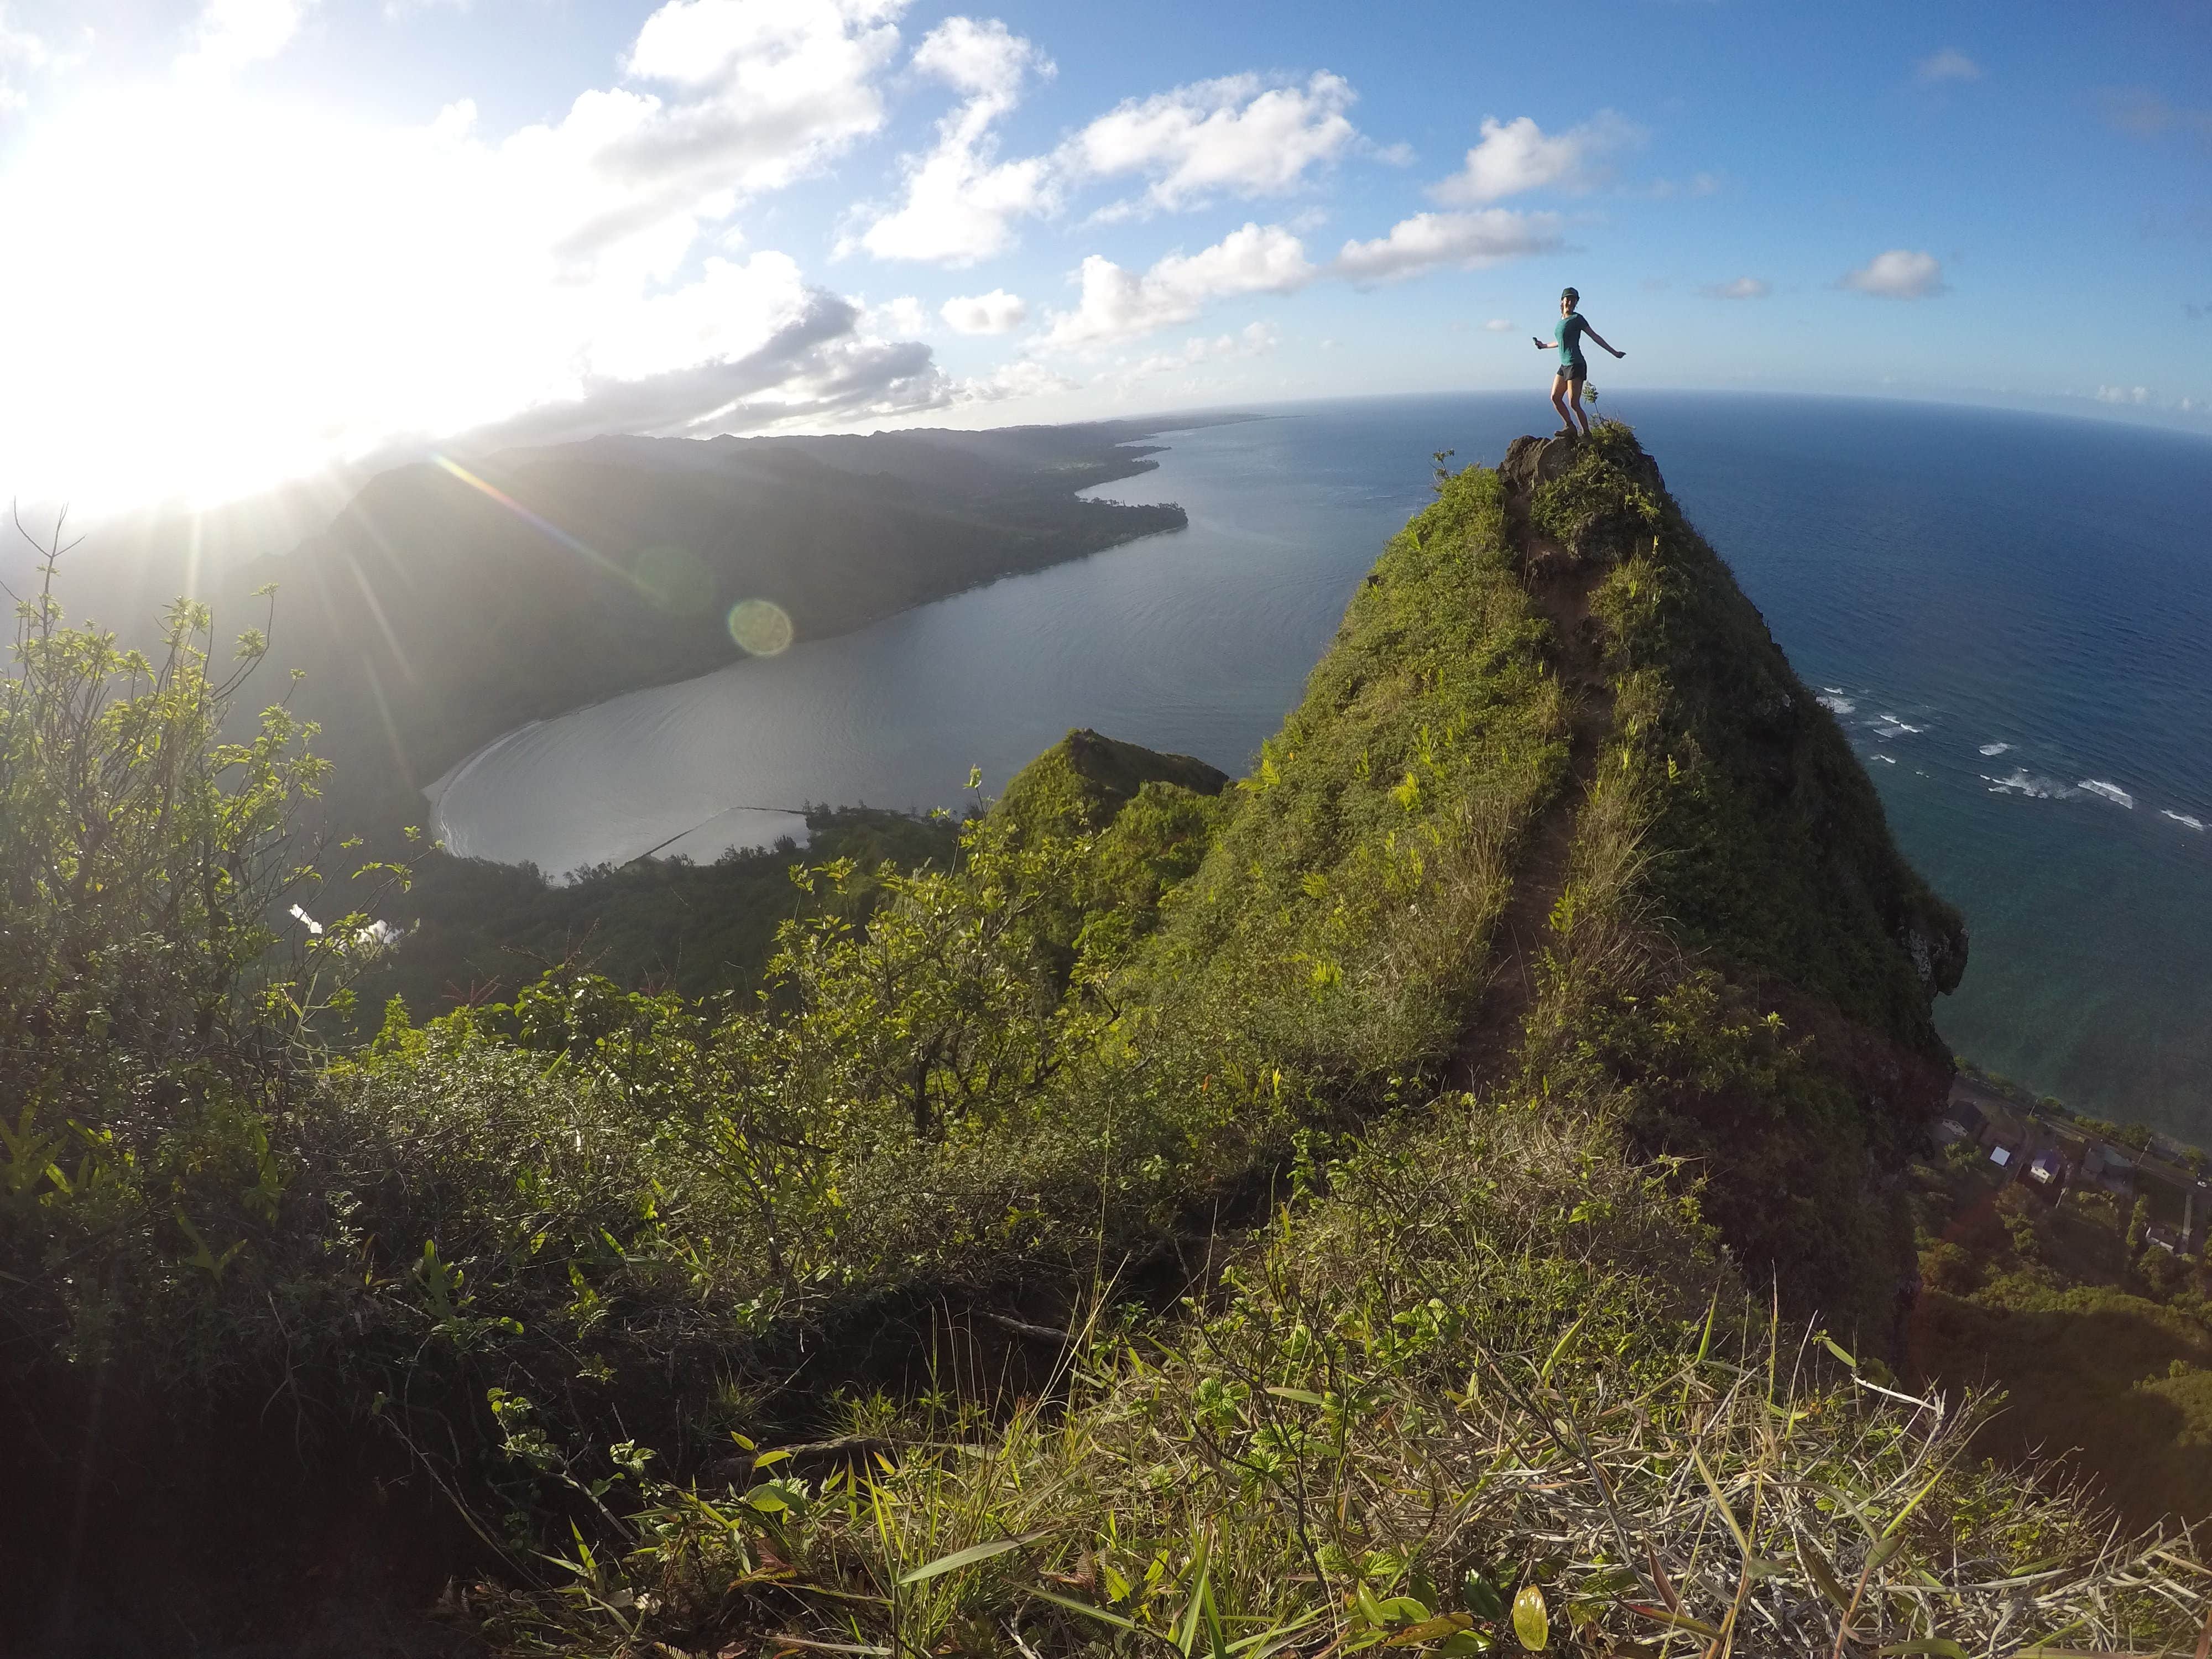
1600 338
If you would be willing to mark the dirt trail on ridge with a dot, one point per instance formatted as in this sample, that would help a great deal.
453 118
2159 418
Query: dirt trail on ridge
1560 585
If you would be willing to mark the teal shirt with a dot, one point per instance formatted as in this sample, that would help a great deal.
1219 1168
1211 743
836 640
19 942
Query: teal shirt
1569 334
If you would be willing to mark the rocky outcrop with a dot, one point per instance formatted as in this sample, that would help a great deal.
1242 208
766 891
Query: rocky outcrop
1531 461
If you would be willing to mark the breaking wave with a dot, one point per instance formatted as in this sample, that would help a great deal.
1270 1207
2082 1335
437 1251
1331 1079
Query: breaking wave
2110 792
2020 783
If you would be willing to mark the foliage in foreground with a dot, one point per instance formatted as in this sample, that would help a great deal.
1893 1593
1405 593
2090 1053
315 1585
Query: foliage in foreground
631 1207
477 933
147 1028
1493 1390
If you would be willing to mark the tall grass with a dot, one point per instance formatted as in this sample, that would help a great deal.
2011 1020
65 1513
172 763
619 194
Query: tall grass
1496 1365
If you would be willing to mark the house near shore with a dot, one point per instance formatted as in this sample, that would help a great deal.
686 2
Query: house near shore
1961 1120
2049 1170
2110 1168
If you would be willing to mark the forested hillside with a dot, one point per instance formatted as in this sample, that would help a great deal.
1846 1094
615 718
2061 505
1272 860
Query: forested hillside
448 604
1447 1190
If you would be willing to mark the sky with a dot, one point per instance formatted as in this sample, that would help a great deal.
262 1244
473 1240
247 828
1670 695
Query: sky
249 238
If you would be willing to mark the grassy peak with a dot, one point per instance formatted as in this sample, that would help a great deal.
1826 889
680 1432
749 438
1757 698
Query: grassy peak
1080 785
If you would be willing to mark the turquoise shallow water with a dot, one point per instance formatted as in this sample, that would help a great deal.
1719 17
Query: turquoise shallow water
2012 615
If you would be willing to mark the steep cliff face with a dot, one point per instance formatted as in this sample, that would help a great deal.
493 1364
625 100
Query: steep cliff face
1784 932
1778 854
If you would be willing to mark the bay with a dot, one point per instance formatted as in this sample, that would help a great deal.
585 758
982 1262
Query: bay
2009 614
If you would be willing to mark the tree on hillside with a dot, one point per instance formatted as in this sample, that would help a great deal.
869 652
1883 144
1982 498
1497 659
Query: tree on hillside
146 860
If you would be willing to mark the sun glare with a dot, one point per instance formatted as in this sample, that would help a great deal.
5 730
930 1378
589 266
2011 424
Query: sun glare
219 294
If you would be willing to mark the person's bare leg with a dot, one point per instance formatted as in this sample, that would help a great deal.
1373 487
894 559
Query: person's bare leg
1576 392
1559 401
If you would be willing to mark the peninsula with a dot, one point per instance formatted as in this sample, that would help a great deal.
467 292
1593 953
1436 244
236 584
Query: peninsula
454 600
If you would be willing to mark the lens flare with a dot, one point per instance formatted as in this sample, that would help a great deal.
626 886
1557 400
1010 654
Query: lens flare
762 628
583 551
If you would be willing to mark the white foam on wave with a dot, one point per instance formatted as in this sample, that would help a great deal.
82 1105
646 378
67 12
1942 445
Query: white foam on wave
2020 783
2110 792
1889 726
1886 760
1995 748
1836 703
2183 819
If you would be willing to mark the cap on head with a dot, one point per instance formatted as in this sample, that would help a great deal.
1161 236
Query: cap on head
1570 293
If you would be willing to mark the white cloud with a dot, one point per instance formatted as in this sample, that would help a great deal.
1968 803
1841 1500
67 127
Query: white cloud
232 34
984 60
960 201
1233 137
1743 288
1518 155
1023 377
20 49
326 289
2122 394
1117 304
776 353
1469 241
1948 64
766 93
1499 325
1254 340
900 319
995 313
1900 274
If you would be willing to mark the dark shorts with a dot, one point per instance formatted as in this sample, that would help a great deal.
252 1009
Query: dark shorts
1576 372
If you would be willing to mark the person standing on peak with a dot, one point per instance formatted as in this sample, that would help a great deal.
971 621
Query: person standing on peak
1567 384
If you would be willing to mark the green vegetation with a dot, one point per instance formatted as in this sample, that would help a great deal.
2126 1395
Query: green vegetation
2104 1347
474 932
1353 1208
1494 1392
1790 1052
1779 855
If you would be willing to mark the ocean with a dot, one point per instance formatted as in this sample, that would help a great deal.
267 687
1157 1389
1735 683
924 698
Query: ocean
2011 615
